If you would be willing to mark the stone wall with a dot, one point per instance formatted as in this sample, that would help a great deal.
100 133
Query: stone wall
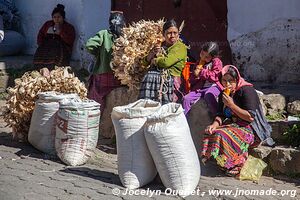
270 54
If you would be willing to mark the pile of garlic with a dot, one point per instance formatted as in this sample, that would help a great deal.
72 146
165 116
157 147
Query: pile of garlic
21 98
129 49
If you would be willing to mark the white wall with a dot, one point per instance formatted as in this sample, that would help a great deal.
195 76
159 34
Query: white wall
87 16
249 16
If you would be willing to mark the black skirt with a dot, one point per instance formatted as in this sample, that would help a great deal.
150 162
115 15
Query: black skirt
151 86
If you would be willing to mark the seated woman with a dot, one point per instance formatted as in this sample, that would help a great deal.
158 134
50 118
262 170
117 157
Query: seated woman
163 80
55 41
205 79
239 124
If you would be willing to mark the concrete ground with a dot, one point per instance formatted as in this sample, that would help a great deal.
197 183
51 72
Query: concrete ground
26 173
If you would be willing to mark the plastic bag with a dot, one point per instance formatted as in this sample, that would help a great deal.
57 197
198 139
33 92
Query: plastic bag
252 169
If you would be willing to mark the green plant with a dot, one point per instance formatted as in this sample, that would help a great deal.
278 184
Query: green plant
292 135
277 116
17 73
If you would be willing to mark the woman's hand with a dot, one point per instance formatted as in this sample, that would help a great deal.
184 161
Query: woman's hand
56 29
209 129
227 100
156 49
198 70
217 122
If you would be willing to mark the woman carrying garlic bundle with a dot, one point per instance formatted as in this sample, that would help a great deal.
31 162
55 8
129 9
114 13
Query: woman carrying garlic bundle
163 80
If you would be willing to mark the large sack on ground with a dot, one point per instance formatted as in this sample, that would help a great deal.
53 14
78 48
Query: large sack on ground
42 127
135 164
77 130
169 140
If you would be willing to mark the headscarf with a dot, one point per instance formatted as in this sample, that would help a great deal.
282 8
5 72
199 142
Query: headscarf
116 23
240 82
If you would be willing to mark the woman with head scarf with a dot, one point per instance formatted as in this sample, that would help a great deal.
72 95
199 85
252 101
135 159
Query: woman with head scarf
163 81
55 41
239 124
102 80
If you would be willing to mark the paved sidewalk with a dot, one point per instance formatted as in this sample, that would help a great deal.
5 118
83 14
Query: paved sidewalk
26 173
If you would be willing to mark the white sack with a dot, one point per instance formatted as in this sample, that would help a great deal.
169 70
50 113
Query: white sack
77 130
135 164
42 126
169 140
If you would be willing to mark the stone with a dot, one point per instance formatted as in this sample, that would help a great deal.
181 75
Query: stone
199 118
285 160
294 107
118 97
275 103
264 107
278 128
270 54
261 152
4 82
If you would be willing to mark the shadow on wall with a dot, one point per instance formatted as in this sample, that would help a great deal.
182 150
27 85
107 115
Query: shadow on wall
12 44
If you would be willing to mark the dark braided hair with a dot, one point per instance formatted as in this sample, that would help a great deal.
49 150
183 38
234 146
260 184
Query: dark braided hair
212 48
59 9
168 24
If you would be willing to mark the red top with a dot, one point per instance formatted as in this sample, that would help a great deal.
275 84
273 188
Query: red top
211 74
67 33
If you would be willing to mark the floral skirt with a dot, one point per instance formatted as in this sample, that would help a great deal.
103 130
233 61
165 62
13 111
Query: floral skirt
229 145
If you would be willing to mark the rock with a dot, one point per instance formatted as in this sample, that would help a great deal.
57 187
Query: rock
118 97
294 107
4 82
285 160
278 128
275 103
199 118
264 107
261 55
261 152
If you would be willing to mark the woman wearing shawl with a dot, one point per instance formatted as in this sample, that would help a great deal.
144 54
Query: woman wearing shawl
55 41
239 123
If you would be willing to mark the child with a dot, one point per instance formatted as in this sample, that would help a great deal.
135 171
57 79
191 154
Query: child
205 79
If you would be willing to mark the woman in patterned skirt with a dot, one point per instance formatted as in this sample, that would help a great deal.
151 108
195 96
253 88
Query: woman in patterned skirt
163 81
239 124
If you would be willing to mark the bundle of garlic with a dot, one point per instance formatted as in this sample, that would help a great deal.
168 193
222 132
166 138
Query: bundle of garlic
137 40
21 98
